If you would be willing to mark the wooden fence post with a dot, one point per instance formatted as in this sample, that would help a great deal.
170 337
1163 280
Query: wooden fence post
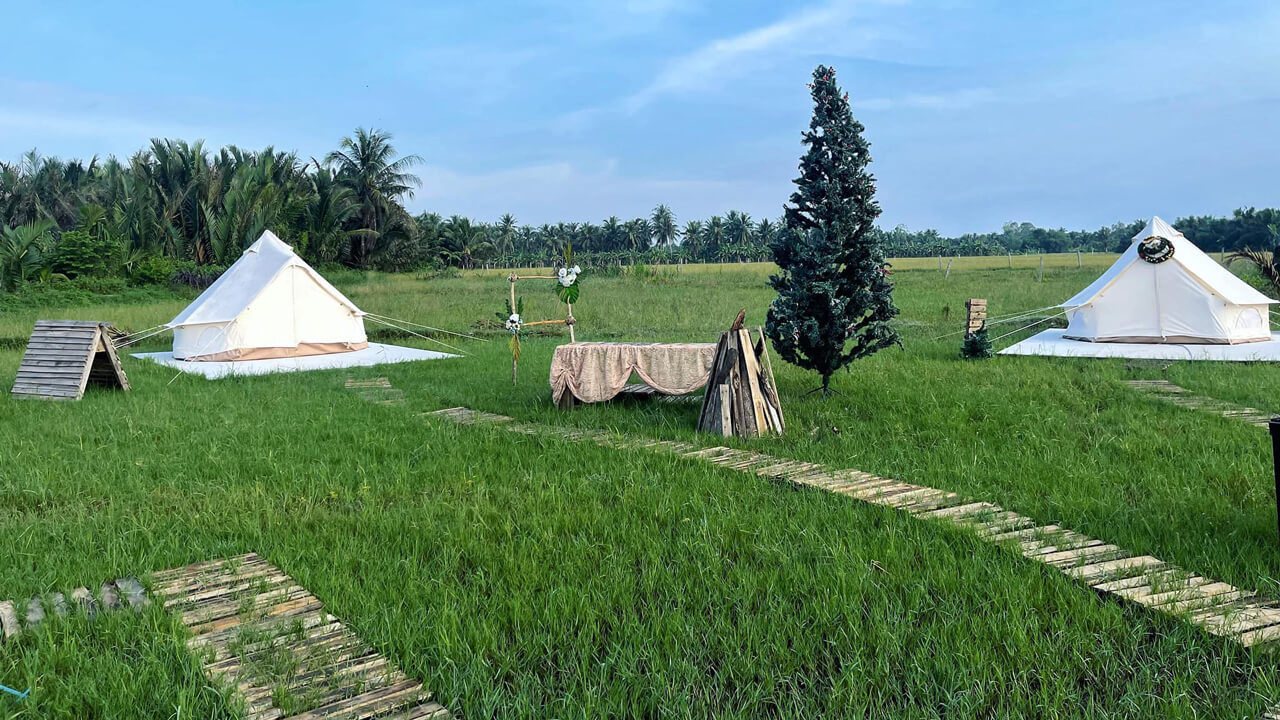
1040 275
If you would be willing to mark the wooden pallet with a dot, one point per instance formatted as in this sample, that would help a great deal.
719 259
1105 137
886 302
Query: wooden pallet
35 610
377 390
1181 397
65 356
1217 608
267 637
642 391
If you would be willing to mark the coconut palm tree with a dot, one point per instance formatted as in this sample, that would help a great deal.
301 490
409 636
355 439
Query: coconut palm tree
663 223
463 242
713 236
506 234
692 243
367 163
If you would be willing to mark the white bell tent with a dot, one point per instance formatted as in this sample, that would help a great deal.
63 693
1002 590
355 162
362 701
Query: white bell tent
269 304
1164 289
1162 299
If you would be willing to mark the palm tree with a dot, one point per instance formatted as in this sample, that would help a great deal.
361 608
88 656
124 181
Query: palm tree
507 234
611 234
764 232
737 228
329 208
463 242
367 164
692 238
713 236
22 252
664 226
1264 260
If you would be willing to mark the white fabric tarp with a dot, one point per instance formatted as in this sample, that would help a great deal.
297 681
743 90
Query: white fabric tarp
1188 298
1052 343
270 302
374 354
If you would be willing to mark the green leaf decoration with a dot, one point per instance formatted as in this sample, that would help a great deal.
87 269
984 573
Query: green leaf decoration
567 294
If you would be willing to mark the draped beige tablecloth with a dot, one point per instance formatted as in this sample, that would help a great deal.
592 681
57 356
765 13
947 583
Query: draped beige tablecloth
595 372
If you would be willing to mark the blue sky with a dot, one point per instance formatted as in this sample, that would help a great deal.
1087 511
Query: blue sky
1073 114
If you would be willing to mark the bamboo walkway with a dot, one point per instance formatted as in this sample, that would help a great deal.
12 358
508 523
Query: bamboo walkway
38 608
1216 607
1179 396
378 390
273 642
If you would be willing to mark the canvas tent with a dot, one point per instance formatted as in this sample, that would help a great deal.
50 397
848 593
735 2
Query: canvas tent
1163 289
269 304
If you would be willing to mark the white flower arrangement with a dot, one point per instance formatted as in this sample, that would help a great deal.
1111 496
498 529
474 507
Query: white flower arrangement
568 276
513 323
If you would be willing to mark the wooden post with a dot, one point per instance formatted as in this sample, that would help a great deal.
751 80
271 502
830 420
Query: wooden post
1078 265
976 315
1010 261
939 263
948 274
1040 275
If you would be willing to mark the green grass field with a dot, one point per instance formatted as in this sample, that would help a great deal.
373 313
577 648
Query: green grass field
523 577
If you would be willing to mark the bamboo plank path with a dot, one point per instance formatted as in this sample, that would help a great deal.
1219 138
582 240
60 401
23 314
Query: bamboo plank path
377 390
647 392
35 610
1215 607
1167 391
249 620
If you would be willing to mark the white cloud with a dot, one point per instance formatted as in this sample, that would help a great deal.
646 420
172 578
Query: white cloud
702 66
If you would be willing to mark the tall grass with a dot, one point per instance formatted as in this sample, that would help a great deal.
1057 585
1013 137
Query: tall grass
523 576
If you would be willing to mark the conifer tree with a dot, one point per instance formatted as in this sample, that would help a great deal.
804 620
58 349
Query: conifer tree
977 345
834 286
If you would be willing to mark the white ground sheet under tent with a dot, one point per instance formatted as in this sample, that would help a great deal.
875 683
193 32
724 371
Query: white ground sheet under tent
374 354
1162 299
1052 343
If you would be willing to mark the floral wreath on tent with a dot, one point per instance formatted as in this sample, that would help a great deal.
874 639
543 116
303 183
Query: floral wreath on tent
1155 250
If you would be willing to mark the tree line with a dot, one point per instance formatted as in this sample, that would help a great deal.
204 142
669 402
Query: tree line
179 208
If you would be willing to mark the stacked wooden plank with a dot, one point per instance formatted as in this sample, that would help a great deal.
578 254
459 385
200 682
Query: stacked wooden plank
977 315
35 610
1181 397
63 357
377 390
648 392
271 640
1216 607
741 398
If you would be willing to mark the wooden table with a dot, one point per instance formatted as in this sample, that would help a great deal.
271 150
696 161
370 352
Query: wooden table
597 372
